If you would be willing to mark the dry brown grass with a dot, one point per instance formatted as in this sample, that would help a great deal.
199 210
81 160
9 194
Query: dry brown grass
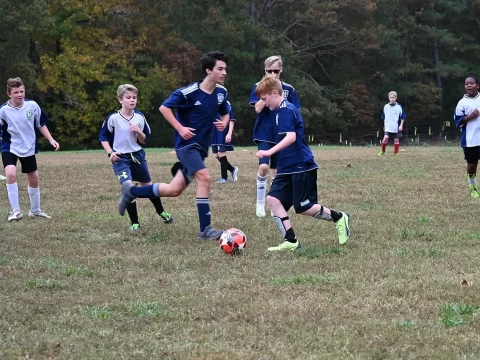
80 286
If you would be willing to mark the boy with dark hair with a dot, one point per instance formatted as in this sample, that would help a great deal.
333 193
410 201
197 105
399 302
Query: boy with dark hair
197 106
20 119
296 181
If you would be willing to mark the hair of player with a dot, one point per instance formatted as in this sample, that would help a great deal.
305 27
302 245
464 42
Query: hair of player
267 85
394 93
209 60
14 83
122 89
272 60
474 77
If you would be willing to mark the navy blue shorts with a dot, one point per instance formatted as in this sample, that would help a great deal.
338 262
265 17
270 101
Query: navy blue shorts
273 160
394 135
133 167
29 163
298 190
472 154
191 158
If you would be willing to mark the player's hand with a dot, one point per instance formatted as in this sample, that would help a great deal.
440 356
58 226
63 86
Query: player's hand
114 156
134 128
400 128
228 138
186 133
55 144
262 153
475 113
219 125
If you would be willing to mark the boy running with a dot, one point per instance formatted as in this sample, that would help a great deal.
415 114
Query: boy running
20 119
122 135
296 181
197 107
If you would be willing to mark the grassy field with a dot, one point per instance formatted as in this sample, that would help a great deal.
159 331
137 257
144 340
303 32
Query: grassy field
406 286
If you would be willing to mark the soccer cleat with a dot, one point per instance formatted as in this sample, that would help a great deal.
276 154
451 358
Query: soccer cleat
166 217
381 153
343 228
2 178
39 213
221 181
235 173
15 215
473 191
286 246
134 227
260 210
126 197
209 234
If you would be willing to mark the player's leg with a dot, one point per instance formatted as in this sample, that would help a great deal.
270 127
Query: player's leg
471 156
10 164
122 168
222 157
232 169
140 173
29 167
396 143
384 145
263 167
279 200
305 202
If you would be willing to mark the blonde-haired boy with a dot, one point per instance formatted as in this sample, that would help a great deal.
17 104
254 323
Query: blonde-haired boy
393 117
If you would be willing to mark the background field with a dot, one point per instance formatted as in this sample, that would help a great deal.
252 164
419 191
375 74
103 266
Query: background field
81 286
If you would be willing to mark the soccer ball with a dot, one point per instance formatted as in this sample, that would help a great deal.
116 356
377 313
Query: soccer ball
233 241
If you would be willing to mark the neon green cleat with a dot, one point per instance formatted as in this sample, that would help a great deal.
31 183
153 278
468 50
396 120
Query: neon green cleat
166 217
343 228
134 227
473 191
286 245
381 153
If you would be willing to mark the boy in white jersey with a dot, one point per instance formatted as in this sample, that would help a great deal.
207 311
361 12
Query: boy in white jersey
467 118
19 120
393 117
122 136
296 181
197 106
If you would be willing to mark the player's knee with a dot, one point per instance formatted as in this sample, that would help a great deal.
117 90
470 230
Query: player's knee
385 142
203 178
272 201
396 141
263 169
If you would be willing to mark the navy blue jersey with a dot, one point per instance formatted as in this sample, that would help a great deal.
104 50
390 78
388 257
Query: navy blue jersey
218 137
264 129
198 110
296 157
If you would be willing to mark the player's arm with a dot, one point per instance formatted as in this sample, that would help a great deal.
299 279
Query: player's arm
259 106
255 101
44 131
473 115
141 136
289 139
185 132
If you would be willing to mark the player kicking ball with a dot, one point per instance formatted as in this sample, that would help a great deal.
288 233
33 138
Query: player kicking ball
296 181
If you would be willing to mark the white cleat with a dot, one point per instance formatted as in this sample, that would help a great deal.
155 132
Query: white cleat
260 211
39 213
3 178
15 215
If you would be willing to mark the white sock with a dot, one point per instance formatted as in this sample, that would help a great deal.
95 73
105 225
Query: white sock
472 180
34 194
261 190
12 190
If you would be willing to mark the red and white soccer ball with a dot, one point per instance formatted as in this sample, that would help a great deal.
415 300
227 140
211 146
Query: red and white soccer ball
233 241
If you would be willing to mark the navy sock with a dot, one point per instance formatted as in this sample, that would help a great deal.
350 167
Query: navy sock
223 167
148 191
203 206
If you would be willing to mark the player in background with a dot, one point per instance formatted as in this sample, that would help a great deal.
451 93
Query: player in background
296 181
393 117
197 107
467 118
221 143
20 119
264 129
122 135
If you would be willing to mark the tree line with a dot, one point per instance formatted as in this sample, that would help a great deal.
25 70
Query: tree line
342 56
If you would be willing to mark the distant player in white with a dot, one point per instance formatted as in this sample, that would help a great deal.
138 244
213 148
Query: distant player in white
393 117
467 118
19 121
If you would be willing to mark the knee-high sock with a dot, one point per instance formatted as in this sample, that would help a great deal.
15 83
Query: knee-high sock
223 167
204 215
261 189
12 190
34 194
132 212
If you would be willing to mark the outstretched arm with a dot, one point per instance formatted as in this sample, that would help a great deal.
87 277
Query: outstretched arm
288 140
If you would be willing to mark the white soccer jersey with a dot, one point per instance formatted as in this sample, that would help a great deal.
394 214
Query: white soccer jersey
18 128
393 116
470 132
116 130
